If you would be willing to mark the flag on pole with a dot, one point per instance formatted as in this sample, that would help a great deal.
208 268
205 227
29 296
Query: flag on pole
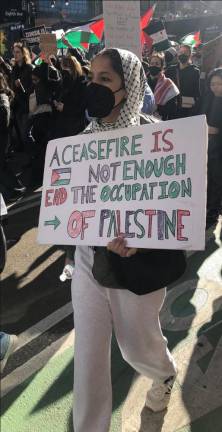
191 39
144 22
146 18
155 33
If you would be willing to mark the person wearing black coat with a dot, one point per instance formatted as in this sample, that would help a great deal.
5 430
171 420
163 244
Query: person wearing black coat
187 78
10 186
21 80
70 119
46 81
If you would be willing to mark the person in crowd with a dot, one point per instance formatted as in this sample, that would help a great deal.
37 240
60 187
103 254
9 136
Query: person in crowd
145 64
46 80
21 79
212 107
198 61
5 69
149 101
70 119
124 300
186 76
170 58
10 186
164 89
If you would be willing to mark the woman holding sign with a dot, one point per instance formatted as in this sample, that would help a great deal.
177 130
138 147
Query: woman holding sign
118 287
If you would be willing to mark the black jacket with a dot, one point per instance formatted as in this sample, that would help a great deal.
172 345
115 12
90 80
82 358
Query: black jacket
4 113
187 81
49 85
72 95
24 73
71 120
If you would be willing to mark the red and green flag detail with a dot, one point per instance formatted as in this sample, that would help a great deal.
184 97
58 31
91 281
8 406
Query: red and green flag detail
144 22
98 28
61 176
81 37
191 39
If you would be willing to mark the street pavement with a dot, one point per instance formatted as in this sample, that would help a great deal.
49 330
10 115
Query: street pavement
37 382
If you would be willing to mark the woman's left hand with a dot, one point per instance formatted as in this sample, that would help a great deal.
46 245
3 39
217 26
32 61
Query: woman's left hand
118 246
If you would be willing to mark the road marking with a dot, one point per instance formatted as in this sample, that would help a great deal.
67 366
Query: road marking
45 324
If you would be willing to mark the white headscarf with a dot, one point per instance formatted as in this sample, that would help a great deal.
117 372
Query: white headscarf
135 85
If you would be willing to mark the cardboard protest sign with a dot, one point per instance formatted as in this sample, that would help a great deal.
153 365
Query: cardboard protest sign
32 35
122 25
48 44
147 183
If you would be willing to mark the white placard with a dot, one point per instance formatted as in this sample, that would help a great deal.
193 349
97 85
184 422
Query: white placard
147 183
3 208
122 25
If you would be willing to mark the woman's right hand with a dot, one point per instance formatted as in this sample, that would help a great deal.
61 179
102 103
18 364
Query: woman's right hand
118 246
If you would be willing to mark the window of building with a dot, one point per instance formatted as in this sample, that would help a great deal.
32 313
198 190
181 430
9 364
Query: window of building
79 7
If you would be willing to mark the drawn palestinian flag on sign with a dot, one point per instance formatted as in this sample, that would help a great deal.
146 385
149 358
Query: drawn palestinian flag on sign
60 176
156 35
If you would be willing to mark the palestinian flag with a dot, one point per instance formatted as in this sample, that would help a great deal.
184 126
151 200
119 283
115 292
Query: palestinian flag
155 35
146 18
60 176
97 28
144 22
80 37
191 39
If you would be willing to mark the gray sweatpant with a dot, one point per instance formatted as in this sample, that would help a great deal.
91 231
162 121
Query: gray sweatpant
135 320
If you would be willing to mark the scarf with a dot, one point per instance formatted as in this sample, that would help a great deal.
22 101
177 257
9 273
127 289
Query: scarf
165 90
135 86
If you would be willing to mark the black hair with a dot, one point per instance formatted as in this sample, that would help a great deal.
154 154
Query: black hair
160 56
213 73
115 60
187 47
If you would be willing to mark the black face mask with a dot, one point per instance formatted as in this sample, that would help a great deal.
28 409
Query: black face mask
154 70
99 100
183 58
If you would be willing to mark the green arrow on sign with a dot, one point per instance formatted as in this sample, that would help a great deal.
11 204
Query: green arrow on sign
55 222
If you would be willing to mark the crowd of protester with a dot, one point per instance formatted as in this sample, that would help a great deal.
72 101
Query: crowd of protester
62 97
48 101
